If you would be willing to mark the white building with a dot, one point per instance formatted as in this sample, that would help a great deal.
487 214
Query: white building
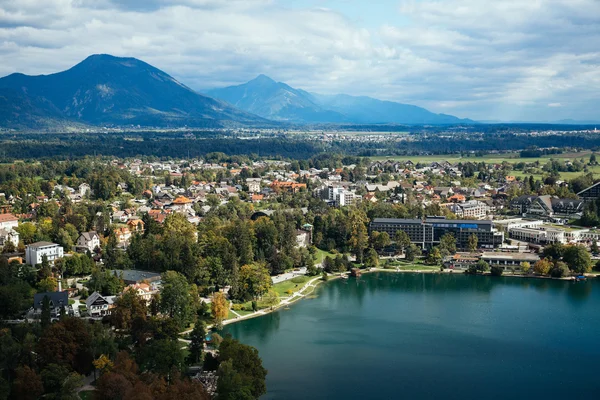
253 185
8 223
470 209
88 241
98 305
342 196
35 251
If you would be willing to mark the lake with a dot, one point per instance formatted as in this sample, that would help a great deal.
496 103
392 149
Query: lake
433 336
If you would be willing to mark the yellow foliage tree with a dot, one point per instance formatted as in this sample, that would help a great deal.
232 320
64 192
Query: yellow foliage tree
103 363
219 307
542 267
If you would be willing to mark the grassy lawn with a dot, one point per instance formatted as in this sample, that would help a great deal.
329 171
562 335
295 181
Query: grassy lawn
499 158
294 285
412 265
321 254
417 267
86 395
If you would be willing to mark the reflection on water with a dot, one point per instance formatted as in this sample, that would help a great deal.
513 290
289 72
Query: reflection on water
392 332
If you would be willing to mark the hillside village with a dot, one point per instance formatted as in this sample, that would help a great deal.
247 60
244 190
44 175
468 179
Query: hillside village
153 253
523 216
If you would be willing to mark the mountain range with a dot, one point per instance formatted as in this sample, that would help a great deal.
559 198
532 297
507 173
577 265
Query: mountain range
278 101
107 90
103 90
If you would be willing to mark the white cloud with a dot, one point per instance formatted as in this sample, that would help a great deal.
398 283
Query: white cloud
483 59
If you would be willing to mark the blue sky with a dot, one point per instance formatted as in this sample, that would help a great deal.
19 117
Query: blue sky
511 60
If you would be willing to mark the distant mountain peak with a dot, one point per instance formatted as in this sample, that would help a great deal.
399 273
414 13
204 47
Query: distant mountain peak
104 89
276 100
263 79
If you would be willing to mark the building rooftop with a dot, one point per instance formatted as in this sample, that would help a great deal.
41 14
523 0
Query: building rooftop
8 218
511 256
133 275
41 244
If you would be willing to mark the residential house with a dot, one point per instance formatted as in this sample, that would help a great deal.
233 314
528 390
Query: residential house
253 185
120 216
8 223
142 290
136 225
35 252
84 189
98 305
546 206
88 241
57 300
181 203
123 235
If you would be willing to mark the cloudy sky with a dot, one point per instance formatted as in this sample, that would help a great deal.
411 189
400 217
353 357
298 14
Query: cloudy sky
482 59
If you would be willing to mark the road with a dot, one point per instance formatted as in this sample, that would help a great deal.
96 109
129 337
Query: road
289 275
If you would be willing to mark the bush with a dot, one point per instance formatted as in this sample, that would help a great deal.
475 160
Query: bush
559 270
298 279
497 271
83 293
237 307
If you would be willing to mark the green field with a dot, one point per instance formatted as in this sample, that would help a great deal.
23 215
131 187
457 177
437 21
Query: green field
321 254
490 158
500 158
294 285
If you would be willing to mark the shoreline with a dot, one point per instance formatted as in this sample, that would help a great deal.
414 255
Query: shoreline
315 282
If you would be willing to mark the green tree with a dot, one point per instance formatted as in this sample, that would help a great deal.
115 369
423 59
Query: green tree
162 356
478 268
434 257
175 299
559 270
412 251
497 271
53 376
231 384
357 228
525 267
242 371
380 240
554 251
448 243
129 309
402 240
47 285
254 281
371 258
578 259
196 348
473 241
270 299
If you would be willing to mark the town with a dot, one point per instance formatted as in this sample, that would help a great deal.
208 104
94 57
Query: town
171 249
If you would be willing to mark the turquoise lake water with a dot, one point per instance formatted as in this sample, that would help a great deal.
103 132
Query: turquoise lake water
433 336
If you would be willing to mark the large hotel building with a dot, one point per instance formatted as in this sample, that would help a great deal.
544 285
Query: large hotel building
427 232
